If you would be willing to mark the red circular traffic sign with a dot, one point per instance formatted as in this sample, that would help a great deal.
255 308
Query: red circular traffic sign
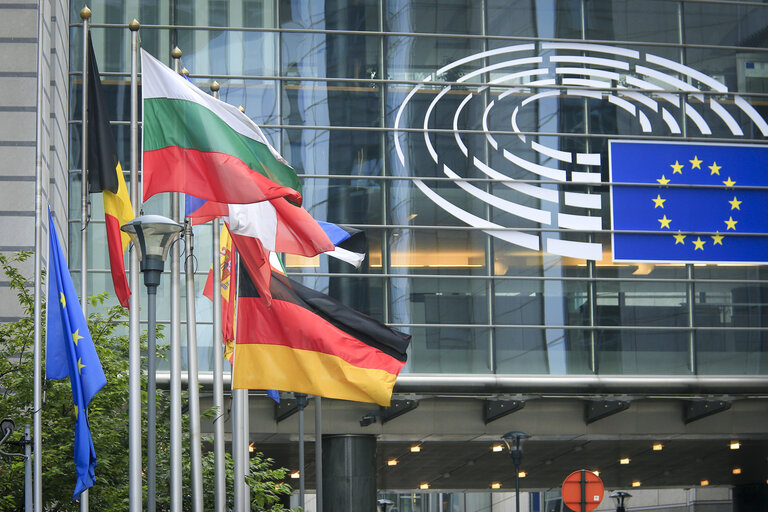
582 491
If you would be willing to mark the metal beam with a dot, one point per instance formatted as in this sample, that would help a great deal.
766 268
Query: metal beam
698 409
599 409
638 385
495 409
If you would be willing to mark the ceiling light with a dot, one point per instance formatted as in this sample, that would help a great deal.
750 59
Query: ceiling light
624 460
522 474
636 483
596 472
424 485
415 448
497 448
296 474
251 448
704 483
736 471
735 445
496 485
392 462
657 447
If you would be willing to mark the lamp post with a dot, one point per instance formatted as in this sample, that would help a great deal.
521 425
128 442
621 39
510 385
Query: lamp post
620 497
514 441
152 235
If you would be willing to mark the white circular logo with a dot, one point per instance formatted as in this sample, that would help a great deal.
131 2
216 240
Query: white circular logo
645 87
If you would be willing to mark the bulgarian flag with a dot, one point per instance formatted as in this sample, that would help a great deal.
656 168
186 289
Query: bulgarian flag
198 145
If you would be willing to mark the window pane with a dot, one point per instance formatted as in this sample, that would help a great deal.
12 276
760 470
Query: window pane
643 352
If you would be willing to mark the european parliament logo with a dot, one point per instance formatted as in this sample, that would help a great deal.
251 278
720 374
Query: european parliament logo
693 203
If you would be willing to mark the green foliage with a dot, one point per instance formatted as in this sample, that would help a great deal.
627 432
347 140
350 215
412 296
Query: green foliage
108 416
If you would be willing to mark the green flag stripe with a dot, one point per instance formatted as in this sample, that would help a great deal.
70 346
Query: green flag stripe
188 125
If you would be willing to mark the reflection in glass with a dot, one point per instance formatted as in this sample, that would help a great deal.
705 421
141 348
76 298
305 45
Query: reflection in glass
643 352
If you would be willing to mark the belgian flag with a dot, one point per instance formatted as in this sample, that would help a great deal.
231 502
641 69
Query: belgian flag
105 176
308 342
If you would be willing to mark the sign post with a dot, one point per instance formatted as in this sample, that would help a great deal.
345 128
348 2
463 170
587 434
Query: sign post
582 491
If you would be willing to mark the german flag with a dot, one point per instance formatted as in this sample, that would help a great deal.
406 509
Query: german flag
105 176
308 342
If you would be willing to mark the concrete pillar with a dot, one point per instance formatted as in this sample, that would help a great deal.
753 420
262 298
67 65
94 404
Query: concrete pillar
349 473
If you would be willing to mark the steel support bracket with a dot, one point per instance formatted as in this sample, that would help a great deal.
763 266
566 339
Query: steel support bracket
599 409
397 408
495 409
286 408
698 409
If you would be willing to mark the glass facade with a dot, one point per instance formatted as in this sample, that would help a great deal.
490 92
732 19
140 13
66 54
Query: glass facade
470 140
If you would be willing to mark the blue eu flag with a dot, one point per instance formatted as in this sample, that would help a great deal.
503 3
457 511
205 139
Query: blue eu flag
689 202
70 353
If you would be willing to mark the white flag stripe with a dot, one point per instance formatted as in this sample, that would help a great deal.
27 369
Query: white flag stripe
258 220
353 258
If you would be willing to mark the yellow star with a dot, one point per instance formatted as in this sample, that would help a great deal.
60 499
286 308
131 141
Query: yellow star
679 238
698 244
658 202
664 222
718 238
715 169
677 168
735 204
76 336
696 163
80 366
662 180
729 183
730 223
63 300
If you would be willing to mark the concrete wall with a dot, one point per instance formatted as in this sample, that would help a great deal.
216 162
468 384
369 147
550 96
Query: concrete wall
21 43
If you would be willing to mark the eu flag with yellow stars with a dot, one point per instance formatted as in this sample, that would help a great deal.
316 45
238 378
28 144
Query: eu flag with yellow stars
70 353
689 202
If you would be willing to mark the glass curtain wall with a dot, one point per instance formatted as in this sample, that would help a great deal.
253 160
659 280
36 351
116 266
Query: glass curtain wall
441 128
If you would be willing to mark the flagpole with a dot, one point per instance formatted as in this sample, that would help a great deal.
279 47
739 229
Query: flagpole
37 356
151 408
134 340
245 427
238 422
318 454
301 402
244 447
193 389
219 470
85 14
175 356
237 425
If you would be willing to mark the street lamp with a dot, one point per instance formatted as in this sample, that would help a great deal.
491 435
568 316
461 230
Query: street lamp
620 497
514 441
152 236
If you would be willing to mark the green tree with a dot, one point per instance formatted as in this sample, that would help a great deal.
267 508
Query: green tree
108 416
